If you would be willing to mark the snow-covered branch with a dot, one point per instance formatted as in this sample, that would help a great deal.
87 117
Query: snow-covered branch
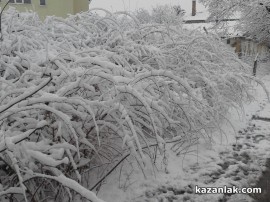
116 86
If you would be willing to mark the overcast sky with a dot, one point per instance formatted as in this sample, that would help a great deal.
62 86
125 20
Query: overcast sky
131 5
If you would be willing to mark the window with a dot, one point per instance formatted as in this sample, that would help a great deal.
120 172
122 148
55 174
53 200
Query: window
42 2
16 1
20 1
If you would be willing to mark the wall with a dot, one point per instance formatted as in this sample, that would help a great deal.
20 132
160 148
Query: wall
80 5
58 8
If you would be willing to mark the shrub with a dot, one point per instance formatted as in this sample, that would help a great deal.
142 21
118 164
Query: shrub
80 95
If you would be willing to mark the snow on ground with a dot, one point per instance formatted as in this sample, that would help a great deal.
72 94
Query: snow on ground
237 156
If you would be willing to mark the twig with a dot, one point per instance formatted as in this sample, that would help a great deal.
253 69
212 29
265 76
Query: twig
25 95
123 158
27 134
107 174
33 195
1 20
260 118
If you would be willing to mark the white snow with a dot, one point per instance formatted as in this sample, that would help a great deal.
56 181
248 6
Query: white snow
193 167
107 105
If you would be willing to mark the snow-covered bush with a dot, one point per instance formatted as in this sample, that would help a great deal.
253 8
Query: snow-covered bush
80 95
162 14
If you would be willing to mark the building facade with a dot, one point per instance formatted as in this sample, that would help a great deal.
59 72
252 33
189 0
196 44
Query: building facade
248 47
60 8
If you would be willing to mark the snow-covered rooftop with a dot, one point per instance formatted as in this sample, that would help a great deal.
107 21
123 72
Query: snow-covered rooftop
200 15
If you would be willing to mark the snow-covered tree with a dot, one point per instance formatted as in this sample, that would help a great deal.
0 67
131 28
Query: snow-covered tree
254 16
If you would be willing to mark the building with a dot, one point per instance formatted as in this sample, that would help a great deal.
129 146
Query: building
244 46
60 8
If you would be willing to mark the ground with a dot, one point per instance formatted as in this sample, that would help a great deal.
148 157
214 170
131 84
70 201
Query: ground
239 157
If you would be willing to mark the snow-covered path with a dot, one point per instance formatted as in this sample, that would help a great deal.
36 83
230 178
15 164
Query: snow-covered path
238 161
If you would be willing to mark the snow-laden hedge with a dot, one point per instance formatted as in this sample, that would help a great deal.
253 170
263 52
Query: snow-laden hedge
85 92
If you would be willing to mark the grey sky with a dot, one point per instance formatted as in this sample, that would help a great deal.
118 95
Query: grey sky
131 5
